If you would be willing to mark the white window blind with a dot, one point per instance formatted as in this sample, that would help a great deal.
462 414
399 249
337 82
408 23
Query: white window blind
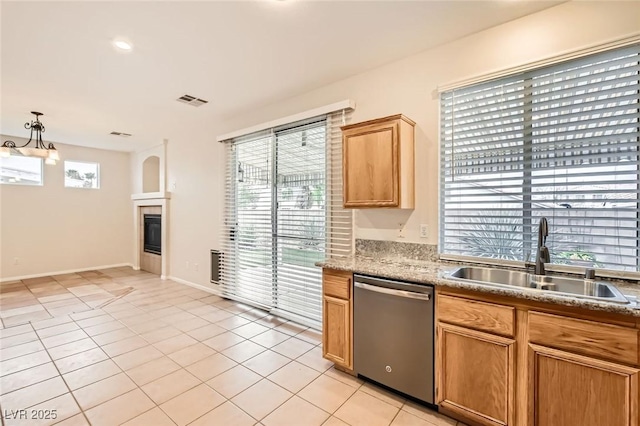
560 142
283 213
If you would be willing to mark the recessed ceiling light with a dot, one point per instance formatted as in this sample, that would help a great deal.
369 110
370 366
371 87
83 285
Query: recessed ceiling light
123 45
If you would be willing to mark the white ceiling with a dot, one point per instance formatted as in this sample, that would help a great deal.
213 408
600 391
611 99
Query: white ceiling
57 57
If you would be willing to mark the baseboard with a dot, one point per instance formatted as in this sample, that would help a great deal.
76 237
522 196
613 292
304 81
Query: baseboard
68 271
194 285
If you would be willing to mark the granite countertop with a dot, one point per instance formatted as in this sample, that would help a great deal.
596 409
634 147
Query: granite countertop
435 273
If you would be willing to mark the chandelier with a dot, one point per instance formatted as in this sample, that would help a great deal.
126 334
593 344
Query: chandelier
40 150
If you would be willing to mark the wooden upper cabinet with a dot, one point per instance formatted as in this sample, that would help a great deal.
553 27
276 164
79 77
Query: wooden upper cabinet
378 163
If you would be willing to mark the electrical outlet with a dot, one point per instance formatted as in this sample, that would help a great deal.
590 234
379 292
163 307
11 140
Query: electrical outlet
424 231
195 266
16 261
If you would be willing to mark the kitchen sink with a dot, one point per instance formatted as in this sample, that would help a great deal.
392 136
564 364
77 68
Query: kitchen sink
590 289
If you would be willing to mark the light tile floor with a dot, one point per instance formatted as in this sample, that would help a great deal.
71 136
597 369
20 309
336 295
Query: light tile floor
154 352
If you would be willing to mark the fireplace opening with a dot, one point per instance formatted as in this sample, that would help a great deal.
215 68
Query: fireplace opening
153 233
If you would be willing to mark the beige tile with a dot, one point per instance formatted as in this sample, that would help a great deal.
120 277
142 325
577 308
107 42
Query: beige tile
19 350
119 410
405 419
270 338
25 318
296 411
211 366
175 344
292 348
6 313
64 338
77 420
127 345
345 378
104 390
34 394
159 334
152 370
191 354
192 404
71 348
105 327
206 332
271 321
334 421
64 407
427 414
219 315
243 351
233 381
364 409
38 325
24 362
261 398
226 414
15 330
113 336
233 322
223 341
384 395
80 360
190 324
294 376
18 339
290 328
137 357
170 386
91 374
327 393
314 359
154 417
57 329
24 378
311 336
146 326
266 363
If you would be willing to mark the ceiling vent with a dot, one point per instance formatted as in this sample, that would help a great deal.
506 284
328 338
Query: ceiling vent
124 135
191 100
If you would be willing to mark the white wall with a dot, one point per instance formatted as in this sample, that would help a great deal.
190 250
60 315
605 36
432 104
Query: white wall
51 228
408 86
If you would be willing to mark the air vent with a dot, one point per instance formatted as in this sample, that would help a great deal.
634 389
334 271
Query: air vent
124 135
191 100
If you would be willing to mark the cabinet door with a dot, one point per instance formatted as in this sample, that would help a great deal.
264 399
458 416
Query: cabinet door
475 372
371 169
570 389
336 331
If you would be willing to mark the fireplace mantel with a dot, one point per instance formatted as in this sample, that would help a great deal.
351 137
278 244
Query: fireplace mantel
151 196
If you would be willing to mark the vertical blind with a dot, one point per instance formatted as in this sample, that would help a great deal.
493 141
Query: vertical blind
283 213
561 142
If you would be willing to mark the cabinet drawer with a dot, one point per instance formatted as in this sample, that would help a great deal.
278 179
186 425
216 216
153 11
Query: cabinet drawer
584 337
336 283
483 316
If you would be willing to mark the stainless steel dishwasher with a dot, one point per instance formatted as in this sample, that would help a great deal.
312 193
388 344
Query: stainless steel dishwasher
393 334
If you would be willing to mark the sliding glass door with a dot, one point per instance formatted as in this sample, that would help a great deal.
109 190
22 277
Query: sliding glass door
276 197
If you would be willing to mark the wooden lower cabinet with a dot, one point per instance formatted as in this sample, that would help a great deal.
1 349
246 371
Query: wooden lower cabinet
568 389
336 331
476 374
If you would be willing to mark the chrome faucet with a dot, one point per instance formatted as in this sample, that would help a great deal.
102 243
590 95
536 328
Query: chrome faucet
542 256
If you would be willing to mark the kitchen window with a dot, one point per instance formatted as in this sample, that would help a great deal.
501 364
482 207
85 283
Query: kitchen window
560 142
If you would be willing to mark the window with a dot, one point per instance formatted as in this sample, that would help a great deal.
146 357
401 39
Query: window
284 213
560 142
18 170
79 174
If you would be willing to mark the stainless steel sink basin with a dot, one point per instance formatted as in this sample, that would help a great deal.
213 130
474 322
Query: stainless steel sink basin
559 285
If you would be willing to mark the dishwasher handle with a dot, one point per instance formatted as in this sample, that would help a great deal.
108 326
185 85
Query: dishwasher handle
393 292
